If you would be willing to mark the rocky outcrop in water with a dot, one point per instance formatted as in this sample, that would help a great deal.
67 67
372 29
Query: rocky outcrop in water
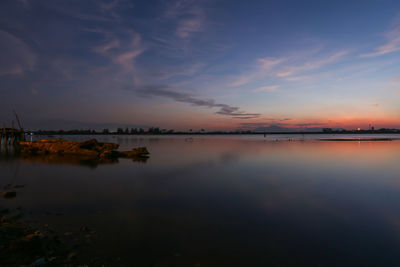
91 149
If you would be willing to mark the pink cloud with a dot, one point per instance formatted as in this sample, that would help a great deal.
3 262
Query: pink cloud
392 44
186 27
190 17
266 88
103 49
283 74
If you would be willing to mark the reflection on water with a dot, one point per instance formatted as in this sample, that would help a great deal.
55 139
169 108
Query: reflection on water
233 200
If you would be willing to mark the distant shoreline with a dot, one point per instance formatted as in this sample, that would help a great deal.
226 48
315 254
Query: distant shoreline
220 133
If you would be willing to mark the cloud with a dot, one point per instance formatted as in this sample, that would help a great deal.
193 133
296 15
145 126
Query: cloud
313 64
284 74
286 67
279 125
25 3
266 88
109 5
263 66
190 17
122 48
310 124
104 48
166 73
16 57
134 50
224 109
392 44
193 24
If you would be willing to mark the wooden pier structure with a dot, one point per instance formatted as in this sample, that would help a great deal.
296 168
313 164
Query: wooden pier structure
11 136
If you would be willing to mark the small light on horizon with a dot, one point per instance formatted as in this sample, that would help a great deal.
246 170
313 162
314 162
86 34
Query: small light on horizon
358 129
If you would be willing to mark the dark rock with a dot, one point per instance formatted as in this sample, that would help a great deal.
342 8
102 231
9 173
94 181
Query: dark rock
89 144
135 152
9 194
39 261
71 255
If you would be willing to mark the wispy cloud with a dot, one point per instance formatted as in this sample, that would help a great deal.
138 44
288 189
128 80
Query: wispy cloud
193 24
269 88
122 48
287 68
314 64
25 3
262 68
224 109
392 44
18 57
104 48
133 50
189 15
284 74
184 70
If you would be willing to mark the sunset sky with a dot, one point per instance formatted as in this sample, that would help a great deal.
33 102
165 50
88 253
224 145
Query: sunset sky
212 64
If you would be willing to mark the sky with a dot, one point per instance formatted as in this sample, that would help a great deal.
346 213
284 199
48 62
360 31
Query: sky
200 64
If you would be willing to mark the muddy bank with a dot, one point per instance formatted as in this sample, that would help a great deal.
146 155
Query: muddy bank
86 150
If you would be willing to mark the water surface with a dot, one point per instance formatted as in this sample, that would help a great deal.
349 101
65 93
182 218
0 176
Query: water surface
224 200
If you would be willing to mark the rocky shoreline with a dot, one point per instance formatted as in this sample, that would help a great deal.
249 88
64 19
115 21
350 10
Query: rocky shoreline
23 244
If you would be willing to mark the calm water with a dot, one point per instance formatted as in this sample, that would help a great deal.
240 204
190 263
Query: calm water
225 200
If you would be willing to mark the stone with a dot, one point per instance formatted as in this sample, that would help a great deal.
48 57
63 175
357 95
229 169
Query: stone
71 255
39 261
9 194
135 152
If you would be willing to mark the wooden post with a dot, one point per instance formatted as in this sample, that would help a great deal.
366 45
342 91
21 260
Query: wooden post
4 135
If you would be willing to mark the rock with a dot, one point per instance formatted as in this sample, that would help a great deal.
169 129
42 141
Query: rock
5 211
89 144
39 261
3 219
90 149
71 255
9 194
135 152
